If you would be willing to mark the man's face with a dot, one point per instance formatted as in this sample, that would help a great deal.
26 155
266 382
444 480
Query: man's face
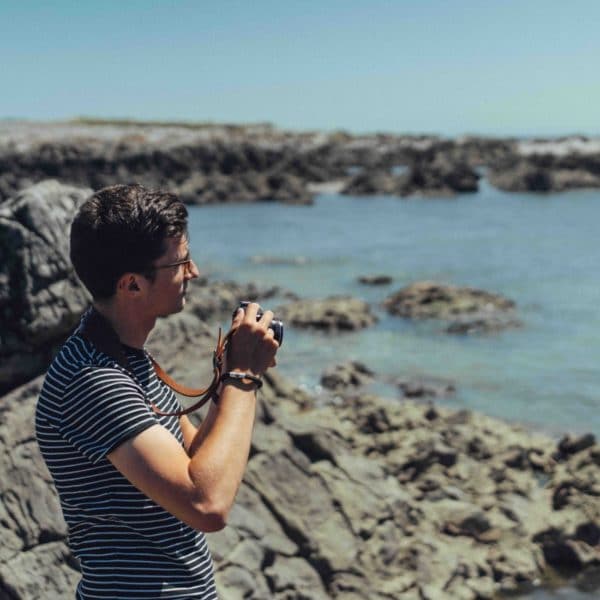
167 291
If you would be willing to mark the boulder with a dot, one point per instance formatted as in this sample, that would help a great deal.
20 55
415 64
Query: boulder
250 186
351 374
41 298
425 387
466 309
336 313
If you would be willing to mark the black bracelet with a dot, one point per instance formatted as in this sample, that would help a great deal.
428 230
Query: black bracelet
237 376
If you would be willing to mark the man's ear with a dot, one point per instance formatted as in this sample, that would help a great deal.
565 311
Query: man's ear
128 282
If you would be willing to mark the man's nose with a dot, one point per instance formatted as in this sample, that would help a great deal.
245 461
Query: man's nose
192 271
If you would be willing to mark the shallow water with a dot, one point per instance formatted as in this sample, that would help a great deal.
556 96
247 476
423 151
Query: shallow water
541 251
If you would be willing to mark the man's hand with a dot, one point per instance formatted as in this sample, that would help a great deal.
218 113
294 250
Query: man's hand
252 347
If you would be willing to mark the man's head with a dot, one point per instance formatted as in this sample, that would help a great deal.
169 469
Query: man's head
122 234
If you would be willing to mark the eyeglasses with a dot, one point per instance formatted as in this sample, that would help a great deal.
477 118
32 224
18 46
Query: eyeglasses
187 265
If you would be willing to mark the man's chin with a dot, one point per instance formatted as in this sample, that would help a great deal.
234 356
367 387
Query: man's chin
174 310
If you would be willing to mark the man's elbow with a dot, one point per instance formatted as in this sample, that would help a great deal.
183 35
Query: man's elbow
210 517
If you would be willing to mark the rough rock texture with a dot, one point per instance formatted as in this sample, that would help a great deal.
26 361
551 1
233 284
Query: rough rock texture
334 313
214 163
547 173
347 375
440 176
247 187
425 387
467 310
35 561
40 296
363 499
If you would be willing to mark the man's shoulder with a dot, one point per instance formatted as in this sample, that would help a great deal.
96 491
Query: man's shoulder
74 358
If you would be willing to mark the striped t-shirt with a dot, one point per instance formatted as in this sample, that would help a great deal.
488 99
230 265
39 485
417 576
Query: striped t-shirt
128 546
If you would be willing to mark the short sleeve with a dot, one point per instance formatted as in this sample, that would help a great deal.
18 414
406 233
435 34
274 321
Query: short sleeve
103 407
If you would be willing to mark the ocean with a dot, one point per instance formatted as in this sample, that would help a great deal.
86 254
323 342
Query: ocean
542 251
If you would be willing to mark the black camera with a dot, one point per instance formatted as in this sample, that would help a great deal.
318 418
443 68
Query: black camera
276 324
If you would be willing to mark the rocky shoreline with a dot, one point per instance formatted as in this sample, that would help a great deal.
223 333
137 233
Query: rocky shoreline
347 495
209 164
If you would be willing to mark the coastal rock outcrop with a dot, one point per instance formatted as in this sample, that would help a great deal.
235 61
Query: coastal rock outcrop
468 310
546 172
40 296
216 188
347 375
364 498
440 176
342 313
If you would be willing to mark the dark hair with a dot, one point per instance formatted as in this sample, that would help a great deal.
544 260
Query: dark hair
121 229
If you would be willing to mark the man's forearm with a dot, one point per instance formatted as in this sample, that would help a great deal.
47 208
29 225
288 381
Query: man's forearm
220 449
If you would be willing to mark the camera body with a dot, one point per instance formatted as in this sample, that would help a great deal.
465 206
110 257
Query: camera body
276 324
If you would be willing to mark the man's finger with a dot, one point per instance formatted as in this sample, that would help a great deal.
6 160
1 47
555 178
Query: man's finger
266 319
238 317
251 311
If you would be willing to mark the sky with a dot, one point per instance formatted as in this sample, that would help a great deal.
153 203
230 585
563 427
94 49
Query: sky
492 67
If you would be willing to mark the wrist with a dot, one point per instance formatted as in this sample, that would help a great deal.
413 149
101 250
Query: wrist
241 378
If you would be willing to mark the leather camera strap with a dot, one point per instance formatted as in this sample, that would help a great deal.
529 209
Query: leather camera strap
96 329
205 394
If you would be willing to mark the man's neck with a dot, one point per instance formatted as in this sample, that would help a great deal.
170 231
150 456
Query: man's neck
131 327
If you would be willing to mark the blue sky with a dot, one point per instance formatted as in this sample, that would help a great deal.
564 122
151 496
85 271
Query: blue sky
503 67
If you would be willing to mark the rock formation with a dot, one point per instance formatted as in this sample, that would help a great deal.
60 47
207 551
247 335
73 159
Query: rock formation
467 310
335 313
40 296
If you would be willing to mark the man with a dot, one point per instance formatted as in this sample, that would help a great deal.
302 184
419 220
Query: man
139 488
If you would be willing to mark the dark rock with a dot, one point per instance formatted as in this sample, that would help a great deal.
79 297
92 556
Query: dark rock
217 188
468 309
351 374
569 445
375 279
41 298
441 175
372 183
341 313
425 387
546 173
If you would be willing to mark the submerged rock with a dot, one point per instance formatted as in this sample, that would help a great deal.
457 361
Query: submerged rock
375 279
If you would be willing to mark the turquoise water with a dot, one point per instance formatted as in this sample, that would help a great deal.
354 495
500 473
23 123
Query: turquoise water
541 251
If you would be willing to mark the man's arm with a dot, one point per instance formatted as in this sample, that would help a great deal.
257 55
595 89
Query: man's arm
199 486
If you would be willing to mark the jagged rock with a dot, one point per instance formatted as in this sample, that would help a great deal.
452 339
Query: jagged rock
211 300
468 309
397 503
441 176
40 296
351 374
539 173
217 188
336 313
425 387
572 445
372 183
